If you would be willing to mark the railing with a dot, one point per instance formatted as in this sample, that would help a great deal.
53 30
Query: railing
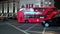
7 15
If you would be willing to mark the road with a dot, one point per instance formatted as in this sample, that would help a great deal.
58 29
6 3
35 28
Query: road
13 27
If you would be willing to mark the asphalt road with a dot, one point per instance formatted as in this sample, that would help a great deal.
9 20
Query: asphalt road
13 27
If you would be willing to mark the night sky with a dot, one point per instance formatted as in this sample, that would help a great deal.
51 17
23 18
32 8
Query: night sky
57 4
3 0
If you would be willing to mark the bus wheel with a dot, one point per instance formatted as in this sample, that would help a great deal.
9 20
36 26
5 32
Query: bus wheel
26 21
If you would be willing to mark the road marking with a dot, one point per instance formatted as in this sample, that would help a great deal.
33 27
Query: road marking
18 28
35 31
30 27
44 30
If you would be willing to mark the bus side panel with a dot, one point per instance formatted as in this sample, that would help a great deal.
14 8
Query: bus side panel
35 20
50 16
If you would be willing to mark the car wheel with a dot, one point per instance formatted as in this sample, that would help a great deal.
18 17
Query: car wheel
26 21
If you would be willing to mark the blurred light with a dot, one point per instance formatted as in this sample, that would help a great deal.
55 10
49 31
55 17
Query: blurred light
49 2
